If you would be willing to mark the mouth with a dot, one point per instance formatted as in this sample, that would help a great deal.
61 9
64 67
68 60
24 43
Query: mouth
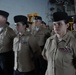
56 29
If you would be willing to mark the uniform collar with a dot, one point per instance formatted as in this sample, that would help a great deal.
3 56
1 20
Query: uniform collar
66 36
24 33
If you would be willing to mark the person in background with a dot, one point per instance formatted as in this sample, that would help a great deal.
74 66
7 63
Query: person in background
40 32
25 47
29 28
52 31
43 24
6 45
41 35
46 29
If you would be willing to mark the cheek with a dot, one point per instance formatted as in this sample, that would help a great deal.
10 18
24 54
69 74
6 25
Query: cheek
19 28
30 26
55 28
63 28
75 26
35 23
2 22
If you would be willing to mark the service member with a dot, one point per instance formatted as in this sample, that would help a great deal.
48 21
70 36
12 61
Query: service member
60 49
41 35
25 47
29 28
43 24
40 32
46 28
6 45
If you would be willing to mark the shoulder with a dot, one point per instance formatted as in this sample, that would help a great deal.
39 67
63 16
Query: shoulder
50 39
9 29
10 32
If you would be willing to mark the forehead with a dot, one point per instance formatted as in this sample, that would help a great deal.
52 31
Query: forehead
2 17
37 20
61 21
18 24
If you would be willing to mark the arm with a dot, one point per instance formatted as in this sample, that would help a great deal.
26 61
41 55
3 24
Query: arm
45 49
34 46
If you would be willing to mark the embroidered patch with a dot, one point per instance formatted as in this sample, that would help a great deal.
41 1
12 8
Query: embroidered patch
23 41
66 50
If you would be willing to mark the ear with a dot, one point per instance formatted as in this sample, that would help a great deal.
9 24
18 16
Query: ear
67 25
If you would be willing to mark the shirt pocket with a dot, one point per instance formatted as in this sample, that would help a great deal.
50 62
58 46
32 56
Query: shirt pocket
68 56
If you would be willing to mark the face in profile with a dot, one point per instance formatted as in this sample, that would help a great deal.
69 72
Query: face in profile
38 23
20 27
59 26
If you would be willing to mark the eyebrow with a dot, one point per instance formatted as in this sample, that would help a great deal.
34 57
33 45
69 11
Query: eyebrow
57 22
